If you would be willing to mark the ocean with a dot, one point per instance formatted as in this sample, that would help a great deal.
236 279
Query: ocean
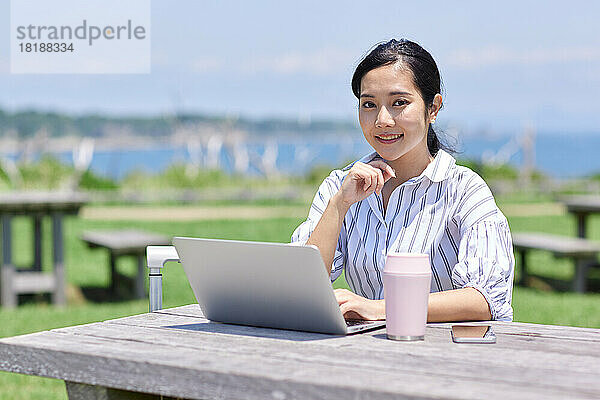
559 156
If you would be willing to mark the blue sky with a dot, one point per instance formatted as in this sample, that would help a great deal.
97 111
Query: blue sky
504 65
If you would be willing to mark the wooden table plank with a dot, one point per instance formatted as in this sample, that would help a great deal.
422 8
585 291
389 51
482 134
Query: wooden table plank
44 202
516 328
177 352
437 340
582 203
438 345
125 241
563 246
197 373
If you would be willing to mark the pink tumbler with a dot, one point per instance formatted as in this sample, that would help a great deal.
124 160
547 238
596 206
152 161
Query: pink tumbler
406 285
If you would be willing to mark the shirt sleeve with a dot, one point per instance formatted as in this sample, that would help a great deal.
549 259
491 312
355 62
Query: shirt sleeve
486 263
328 188
485 258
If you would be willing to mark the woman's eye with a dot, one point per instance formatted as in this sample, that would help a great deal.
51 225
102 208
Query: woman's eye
368 104
400 102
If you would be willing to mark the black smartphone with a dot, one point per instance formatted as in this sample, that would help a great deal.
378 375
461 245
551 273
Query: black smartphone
473 334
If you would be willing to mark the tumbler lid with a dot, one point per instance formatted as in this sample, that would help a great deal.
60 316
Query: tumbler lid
407 263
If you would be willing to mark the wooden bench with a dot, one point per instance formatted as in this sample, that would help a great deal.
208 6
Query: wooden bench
129 242
584 252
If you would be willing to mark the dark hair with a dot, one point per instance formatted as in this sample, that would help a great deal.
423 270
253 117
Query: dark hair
421 64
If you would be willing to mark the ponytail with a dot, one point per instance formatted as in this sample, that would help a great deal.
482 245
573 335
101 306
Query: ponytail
433 143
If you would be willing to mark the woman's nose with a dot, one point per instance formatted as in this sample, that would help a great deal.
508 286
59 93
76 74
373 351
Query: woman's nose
384 118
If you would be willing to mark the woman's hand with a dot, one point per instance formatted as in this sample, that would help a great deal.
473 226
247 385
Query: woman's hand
364 179
354 306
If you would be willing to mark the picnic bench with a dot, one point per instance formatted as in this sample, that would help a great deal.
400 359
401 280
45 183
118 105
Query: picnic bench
584 252
125 242
17 280
177 352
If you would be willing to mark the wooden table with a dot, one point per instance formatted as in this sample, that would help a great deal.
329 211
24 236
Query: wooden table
583 252
176 352
582 207
126 242
36 205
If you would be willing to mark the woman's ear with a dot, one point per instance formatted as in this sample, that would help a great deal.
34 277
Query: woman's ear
435 108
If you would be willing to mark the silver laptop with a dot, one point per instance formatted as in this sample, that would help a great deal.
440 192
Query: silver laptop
270 285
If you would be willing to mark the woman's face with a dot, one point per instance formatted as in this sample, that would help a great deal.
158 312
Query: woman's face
392 113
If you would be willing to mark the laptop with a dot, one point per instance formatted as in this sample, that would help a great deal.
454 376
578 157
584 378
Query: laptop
271 285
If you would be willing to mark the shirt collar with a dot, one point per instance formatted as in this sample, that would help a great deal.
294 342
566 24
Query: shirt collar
437 170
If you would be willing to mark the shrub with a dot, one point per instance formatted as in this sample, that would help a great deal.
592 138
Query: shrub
46 174
91 181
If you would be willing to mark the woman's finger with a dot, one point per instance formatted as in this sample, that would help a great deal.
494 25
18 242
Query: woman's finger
341 299
388 172
380 181
341 291
344 308
343 295
358 175
366 179
377 176
385 168
371 173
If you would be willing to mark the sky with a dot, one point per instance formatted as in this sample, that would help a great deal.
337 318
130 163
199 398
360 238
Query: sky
505 65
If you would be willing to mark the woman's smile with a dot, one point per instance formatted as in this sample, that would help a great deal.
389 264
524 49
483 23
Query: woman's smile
389 138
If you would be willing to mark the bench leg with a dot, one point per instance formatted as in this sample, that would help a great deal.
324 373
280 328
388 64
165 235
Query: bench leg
113 273
82 391
580 280
9 296
522 260
59 296
581 226
140 279
37 243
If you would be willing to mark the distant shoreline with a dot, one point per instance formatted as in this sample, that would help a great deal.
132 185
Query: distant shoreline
559 156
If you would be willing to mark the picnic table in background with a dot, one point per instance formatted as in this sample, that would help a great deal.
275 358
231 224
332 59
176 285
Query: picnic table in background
581 249
125 242
583 252
177 352
36 205
582 207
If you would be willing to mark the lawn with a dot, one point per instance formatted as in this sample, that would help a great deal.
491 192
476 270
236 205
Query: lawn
88 269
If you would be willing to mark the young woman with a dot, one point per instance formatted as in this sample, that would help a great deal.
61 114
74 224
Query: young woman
410 196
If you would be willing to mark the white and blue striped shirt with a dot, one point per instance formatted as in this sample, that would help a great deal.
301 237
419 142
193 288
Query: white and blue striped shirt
447 212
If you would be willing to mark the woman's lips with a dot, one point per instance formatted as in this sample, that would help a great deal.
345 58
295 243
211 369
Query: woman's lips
388 139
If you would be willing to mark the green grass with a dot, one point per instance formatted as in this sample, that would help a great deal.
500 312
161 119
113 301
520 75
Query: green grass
89 268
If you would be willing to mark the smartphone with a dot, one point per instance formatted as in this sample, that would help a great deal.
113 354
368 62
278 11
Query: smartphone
473 334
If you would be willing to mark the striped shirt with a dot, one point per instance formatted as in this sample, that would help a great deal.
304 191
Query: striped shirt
447 212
